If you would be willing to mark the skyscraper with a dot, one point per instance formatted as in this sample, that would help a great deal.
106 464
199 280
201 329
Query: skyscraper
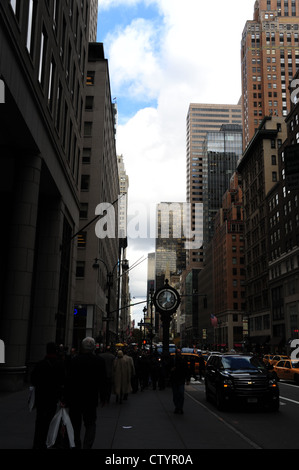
170 246
270 57
202 118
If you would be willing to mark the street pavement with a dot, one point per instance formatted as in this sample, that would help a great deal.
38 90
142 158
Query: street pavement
144 422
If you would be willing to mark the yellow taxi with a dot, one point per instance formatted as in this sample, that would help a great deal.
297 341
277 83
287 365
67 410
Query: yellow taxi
191 357
277 358
267 358
287 370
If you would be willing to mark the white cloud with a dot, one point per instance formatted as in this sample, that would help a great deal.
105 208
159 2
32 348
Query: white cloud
133 64
190 53
107 4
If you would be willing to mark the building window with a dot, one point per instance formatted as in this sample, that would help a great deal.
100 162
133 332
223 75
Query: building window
15 5
87 128
42 57
31 25
80 269
51 84
83 210
86 157
90 78
82 237
89 103
85 180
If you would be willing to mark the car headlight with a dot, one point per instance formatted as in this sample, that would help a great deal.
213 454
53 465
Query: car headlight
228 383
272 383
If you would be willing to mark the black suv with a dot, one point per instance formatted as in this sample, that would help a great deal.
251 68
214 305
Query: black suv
232 378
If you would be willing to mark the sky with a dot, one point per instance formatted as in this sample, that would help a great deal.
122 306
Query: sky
162 56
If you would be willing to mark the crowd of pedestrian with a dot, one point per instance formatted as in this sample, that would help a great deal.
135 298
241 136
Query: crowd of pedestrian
82 380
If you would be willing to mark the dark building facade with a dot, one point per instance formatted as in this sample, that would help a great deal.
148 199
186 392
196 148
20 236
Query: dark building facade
283 206
229 268
259 171
99 165
43 51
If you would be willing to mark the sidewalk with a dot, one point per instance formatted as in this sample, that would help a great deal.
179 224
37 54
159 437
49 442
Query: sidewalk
145 421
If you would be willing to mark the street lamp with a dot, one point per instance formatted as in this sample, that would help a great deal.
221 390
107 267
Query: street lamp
109 275
144 314
125 265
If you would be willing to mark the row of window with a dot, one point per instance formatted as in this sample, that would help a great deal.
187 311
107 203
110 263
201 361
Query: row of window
72 58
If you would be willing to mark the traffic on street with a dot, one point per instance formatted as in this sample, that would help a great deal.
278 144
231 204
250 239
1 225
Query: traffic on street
260 428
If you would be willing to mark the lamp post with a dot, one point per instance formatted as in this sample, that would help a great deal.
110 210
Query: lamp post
152 327
109 275
144 314
166 301
124 266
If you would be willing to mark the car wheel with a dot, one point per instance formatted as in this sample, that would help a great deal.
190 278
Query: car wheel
274 405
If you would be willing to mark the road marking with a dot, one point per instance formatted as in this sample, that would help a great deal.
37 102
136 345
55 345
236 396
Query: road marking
289 385
288 399
232 428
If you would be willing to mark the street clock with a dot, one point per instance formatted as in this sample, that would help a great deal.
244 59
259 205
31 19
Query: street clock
166 299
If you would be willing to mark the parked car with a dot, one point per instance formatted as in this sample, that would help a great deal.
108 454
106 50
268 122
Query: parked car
287 370
232 378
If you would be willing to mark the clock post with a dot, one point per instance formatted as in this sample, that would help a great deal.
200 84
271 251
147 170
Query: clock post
166 301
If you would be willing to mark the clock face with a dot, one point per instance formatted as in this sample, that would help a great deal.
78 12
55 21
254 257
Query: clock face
166 299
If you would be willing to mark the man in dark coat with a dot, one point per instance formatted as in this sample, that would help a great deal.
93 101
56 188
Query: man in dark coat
108 357
179 375
86 381
48 379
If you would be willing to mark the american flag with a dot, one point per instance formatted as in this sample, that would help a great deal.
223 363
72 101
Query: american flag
214 320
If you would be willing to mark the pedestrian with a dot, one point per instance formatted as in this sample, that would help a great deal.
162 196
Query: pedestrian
144 370
163 370
155 368
193 366
135 378
179 375
85 383
201 366
121 383
130 371
48 379
108 357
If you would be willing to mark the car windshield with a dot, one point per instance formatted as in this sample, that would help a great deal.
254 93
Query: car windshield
242 363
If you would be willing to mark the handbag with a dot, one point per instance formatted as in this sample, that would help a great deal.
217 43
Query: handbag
61 432
31 398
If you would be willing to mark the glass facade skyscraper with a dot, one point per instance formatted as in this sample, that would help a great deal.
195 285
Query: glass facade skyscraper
201 119
221 152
